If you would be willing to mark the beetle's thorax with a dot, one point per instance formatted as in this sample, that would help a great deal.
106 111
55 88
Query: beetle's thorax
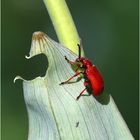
86 63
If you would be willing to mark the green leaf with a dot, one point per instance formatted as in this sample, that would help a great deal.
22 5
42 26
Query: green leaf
53 111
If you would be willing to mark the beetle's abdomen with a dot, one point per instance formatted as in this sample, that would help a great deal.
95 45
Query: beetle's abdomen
96 80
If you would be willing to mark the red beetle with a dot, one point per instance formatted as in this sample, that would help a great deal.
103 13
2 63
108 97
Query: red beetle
93 80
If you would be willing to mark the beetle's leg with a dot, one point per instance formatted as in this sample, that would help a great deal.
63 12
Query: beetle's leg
69 61
78 66
75 81
80 94
76 74
85 84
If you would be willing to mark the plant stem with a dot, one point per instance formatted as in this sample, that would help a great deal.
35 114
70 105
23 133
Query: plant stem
63 23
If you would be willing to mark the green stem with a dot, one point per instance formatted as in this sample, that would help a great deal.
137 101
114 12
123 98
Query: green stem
63 23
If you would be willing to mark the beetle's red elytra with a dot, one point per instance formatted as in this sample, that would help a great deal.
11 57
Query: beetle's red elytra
93 80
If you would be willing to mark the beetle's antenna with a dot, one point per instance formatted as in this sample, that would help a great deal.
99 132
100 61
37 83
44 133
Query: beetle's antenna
79 50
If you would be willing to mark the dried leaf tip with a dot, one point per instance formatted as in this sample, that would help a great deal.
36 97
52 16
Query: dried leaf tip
38 35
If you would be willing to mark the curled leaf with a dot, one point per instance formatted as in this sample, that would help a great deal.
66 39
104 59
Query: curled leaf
54 113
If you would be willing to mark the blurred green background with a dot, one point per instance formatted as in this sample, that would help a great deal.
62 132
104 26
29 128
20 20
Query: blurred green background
109 31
